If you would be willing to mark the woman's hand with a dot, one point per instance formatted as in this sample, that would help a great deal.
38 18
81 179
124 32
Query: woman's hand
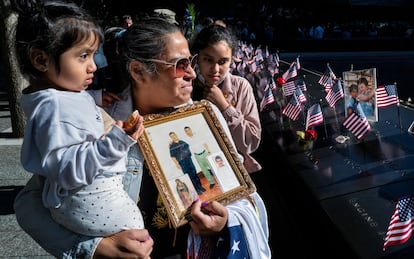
215 95
109 98
134 243
208 218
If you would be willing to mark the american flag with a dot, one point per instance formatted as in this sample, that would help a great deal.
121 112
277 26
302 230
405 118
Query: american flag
297 63
291 72
299 94
357 125
293 108
401 223
252 66
334 94
276 59
272 61
259 56
289 88
266 52
387 96
268 98
315 116
272 83
327 79
300 82
232 245
241 67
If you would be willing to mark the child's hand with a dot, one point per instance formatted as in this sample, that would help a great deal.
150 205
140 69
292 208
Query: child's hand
134 126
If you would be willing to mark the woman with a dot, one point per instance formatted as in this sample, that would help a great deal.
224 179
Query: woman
155 57
365 97
215 46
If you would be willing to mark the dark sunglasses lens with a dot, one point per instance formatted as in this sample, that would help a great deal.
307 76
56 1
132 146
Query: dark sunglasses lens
181 67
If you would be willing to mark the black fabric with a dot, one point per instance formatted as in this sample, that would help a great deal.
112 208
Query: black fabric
164 245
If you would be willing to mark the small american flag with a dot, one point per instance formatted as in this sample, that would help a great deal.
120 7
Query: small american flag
357 125
268 98
297 63
301 84
327 79
387 96
299 94
401 223
272 83
291 72
335 94
289 88
315 116
293 108
241 67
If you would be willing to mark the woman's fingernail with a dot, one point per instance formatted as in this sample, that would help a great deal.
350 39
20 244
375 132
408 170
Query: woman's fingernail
149 237
204 204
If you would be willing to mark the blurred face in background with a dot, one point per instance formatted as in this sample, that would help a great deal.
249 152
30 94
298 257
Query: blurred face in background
126 22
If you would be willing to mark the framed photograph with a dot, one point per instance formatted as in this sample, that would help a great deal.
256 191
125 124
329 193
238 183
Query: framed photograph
182 150
359 88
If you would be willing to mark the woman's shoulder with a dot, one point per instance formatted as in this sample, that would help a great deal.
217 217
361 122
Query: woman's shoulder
239 83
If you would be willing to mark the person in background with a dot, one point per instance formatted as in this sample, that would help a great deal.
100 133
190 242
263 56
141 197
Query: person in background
126 21
99 78
233 95
155 57
166 14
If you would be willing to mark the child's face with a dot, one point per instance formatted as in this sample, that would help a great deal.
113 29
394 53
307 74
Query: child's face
76 67
354 93
214 62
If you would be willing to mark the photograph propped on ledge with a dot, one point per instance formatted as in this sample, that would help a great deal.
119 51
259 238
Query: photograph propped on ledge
359 88
180 149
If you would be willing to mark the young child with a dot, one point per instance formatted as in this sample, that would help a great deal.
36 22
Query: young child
353 104
65 141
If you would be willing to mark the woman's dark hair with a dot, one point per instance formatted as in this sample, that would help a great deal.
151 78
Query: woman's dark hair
211 35
50 26
145 39
362 80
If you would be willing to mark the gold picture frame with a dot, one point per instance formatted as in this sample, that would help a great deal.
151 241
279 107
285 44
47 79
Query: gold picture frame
170 166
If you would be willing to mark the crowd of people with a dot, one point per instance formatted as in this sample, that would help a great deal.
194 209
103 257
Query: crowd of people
268 24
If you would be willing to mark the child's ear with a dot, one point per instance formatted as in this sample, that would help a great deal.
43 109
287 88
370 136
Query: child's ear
39 59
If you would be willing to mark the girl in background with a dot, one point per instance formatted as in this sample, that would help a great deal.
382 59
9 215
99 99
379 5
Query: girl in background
215 46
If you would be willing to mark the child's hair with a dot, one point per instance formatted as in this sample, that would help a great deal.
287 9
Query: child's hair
52 27
211 35
353 87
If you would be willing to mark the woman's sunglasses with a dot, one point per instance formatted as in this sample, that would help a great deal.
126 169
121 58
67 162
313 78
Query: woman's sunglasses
180 65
